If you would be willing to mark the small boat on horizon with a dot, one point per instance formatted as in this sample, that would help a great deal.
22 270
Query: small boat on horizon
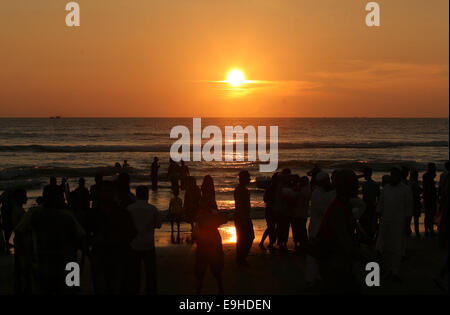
55 117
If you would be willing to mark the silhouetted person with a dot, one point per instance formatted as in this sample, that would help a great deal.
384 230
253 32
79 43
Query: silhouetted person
22 265
117 165
385 179
208 195
270 214
184 174
154 173
57 237
124 194
81 202
125 164
442 278
191 203
312 173
300 215
175 214
429 198
146 219
395 208
65 188
209 252
93 192
244 226
336 237
321 198
285 203
173 174
417 204
443 180
56 191
7 202
405 173
113 231
370 195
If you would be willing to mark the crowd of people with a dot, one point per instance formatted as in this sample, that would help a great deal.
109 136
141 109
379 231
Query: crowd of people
114 228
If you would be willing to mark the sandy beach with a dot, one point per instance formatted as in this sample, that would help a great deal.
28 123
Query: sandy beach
268 274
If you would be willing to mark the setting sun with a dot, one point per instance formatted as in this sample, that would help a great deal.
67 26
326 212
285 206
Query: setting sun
235 77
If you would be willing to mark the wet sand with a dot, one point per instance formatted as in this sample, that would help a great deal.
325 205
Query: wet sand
270 274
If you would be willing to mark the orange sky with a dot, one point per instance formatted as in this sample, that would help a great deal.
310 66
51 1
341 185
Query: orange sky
162 58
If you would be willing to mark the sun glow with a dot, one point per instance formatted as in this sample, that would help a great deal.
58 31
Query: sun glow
228 234
235 77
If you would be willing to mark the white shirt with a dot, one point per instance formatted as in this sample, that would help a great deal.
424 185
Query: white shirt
146 218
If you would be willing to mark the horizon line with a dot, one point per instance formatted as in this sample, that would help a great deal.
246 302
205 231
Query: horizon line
221 117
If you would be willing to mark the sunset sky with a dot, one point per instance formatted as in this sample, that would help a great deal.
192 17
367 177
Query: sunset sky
169 58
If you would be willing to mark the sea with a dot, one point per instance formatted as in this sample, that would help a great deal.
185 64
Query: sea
33 149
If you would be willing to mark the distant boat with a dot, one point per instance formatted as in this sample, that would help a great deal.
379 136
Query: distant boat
55 117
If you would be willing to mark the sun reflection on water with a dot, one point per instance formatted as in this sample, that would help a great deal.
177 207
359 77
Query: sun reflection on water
228 234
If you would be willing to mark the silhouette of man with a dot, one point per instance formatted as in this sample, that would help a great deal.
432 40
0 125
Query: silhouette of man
370 193
336 237
429 198
57 236
146 218
243 222
154 173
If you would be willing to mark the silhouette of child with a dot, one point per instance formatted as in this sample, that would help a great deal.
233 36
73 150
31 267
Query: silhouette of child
175 213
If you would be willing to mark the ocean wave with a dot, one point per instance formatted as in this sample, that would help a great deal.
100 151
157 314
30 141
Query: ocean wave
166 148
15 173
84 148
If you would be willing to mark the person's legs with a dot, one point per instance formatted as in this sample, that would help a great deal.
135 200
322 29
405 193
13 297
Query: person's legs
135 272
273 231
416 224
295 231
243 246
429 216
408 230
283 231
96 272
263 238
149 258
18 274
216 266
432 217
200 269
302 233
